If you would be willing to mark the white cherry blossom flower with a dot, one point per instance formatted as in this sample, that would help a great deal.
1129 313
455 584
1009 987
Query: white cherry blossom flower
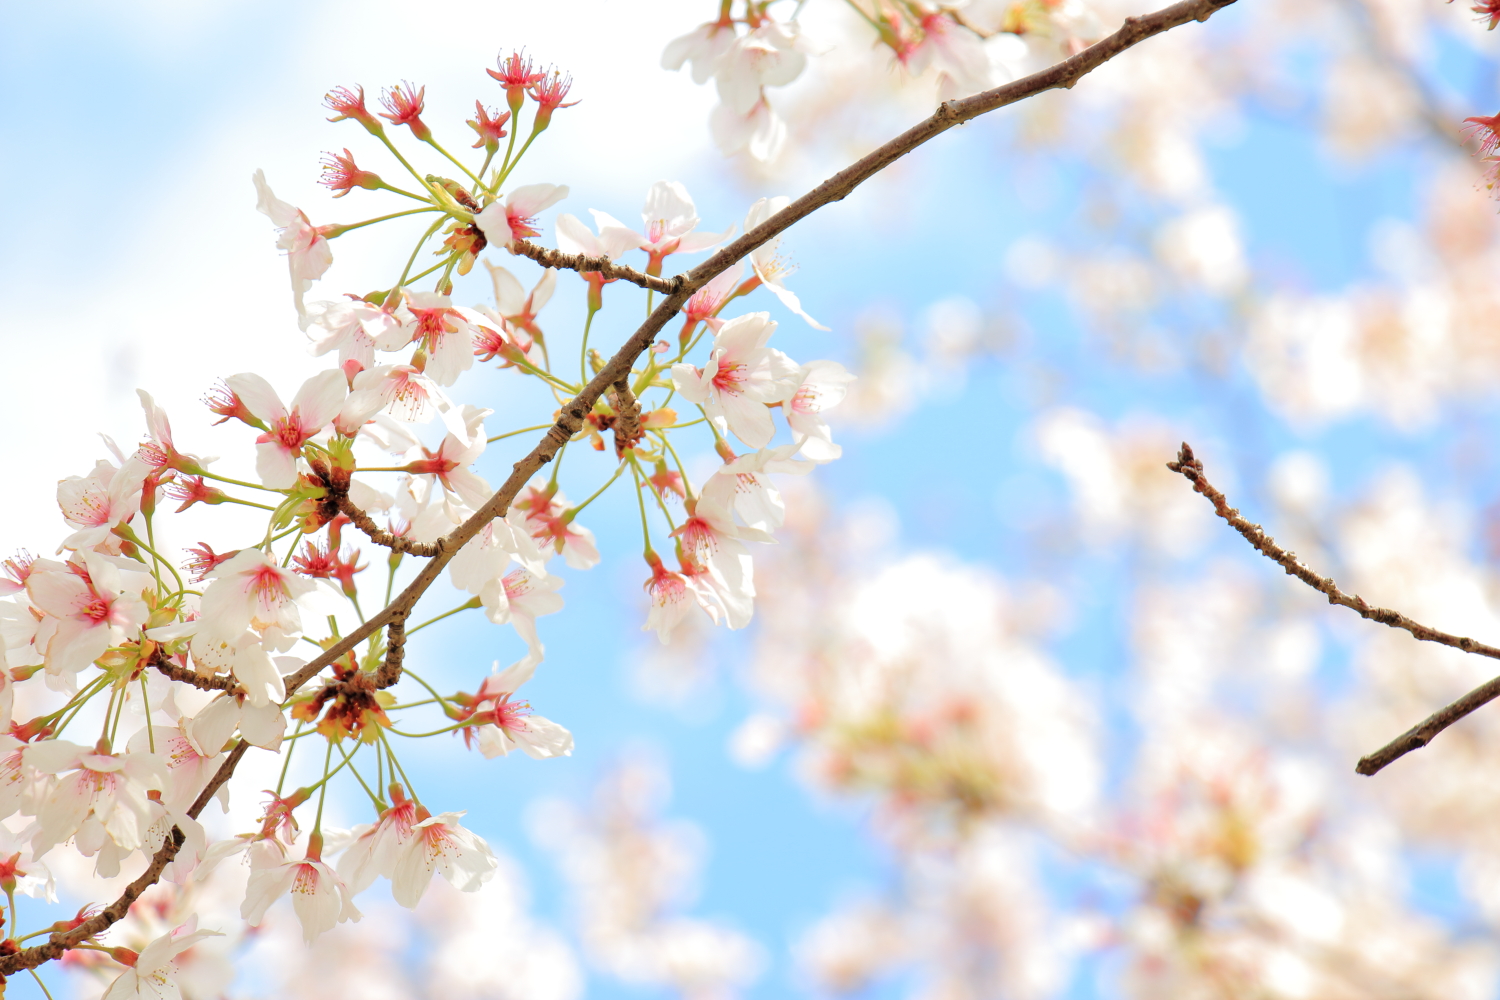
351 328
262 725
511 724
400 390
671 599
109 788
770 268
614 238
514 218
444 336
316 404
701 48
439 845
308 254
743 485
714 543
820 385
95 503
769 56
520 597
705 303
375 846
671 219
741 377
761 132
189 765
252 590
449 465
94 605
154 974
319 897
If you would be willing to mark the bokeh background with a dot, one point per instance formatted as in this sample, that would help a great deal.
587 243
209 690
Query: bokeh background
1016 718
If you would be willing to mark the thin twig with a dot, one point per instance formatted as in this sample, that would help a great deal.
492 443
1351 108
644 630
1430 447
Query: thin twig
187 675
377 534
547 257
570 420
1414 738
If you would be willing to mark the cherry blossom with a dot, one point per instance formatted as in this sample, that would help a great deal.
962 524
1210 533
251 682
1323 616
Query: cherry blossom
319 897
350 327
439 845
189 763
770 268
520 597
614 238
250 590
819 385
288 428
308 252
515 305
769 56
671 219
153 973
742 484
514 218
706 301
671 600
721 563
761 132
96 503
449 465
547 520
741 377
376 846
102 790
94 604
400 390
701 48
444 335
506 725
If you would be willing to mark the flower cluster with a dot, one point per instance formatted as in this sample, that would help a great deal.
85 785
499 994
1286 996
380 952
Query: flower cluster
139 669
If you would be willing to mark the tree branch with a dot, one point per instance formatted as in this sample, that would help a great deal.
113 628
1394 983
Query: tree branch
1418 736
548 257
376 533
679 289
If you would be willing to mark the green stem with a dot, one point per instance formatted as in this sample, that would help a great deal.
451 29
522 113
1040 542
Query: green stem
436 732
645 529
45 991
322 788
523 430
237 482
393 215
401 281
583 351
349 759
409 168
512 165
396 764
406 672
596 494
287 763
146 707
451 159
681 469
471 603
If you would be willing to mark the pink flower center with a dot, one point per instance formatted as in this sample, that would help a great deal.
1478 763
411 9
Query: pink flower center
805 400
267 587
96 610
510 715
288 431
730 376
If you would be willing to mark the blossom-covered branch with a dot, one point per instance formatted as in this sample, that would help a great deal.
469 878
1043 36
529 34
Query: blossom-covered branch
117 595
1418 736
